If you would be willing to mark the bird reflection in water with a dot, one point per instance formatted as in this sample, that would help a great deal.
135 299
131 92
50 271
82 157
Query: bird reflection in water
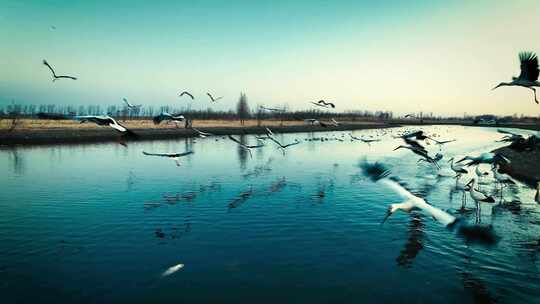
17 162
241 198
415 241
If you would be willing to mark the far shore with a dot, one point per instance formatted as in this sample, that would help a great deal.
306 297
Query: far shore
51 132
44 132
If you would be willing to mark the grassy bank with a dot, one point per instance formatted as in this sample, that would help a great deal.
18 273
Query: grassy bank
32 132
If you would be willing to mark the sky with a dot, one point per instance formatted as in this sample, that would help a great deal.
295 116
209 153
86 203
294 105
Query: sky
402 56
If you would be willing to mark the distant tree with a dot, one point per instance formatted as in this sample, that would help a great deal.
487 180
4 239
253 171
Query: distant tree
242 108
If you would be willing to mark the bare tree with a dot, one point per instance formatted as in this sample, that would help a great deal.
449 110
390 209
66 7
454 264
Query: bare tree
242 108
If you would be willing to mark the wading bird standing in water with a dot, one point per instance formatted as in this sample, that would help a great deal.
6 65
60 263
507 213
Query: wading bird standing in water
173 156
377 172
55 77
528 78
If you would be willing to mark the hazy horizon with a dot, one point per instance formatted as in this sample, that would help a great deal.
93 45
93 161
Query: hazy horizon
430 56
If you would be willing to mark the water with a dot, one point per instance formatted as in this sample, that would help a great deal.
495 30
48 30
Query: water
101 223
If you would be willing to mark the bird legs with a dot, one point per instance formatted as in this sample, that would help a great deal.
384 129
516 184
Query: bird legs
534 91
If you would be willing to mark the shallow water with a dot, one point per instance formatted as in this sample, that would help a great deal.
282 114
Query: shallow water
101 223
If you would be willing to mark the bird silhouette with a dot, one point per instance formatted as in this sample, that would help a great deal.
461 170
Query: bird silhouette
528 78
55 77
212 97
186 93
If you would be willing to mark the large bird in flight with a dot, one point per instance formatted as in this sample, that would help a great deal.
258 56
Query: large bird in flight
106 121
244 146
130 105
55 77
212 97
528 78
173 156
186 93
324 104
168 117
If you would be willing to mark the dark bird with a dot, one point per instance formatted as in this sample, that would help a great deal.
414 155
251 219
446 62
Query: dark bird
247 147
212 97
173 156
324 104
186 93
528 78
168 117
55 77
485 158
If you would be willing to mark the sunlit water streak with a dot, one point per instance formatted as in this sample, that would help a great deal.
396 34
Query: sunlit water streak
101 223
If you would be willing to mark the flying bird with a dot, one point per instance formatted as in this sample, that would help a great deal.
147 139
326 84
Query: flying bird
271 109
244 146
201 134
173 156
365 140
485 158
212 97
377 172
324 104
104 121
528 78
186 93
130 105
55 77
168 117
281 146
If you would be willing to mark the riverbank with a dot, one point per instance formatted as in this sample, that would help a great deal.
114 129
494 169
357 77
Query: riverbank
43 132
524 165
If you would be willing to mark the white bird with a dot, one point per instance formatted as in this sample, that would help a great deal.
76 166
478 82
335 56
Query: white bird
173 156
103 121
528 78
172 270
130 105
478 197
485 158
501 178
464 188
458 169
471 233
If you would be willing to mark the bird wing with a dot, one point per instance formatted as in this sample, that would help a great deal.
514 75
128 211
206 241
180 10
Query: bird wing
291 144
187 93
127 102
209 95
235 140
65 76
117 126
529 66
175 155
49 66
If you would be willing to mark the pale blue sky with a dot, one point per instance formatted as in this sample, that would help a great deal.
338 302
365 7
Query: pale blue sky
405 56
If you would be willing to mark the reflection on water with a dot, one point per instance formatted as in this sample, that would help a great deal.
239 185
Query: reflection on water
303 225
414 243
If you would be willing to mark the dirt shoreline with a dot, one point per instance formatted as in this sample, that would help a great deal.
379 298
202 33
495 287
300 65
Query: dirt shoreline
53 136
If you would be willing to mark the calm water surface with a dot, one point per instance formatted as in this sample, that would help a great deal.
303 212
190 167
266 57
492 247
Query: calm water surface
101 223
